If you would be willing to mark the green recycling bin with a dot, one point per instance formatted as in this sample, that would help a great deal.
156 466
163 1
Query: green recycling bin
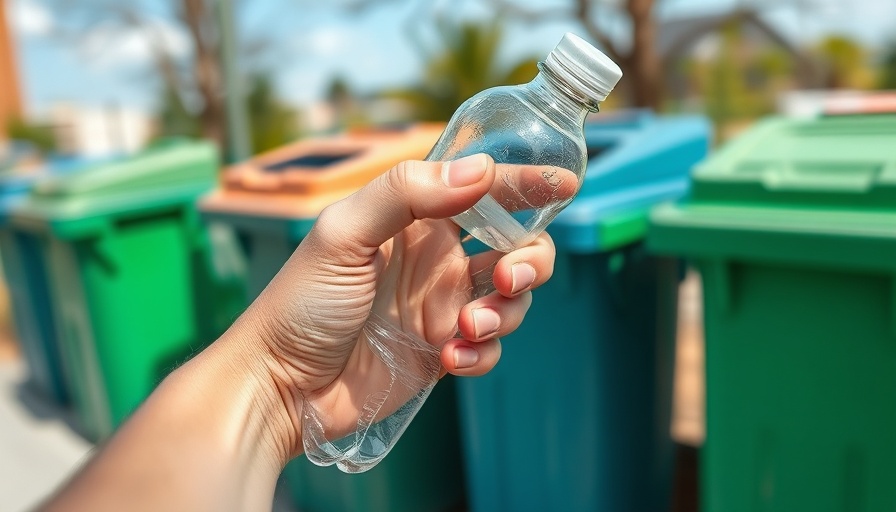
134 288
793 228
271 202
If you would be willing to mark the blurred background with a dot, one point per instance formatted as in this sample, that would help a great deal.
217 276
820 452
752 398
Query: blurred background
101 78
85 81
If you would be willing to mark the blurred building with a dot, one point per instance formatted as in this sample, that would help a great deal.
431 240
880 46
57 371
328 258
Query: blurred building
10 97
328 116
98 131
812 103
700 51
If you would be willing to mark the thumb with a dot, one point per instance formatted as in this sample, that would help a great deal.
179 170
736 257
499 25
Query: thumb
409 191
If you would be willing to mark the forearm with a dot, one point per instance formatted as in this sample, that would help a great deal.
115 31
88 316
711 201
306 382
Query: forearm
211 437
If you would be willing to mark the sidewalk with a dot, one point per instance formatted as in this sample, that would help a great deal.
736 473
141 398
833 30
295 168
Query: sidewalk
39 449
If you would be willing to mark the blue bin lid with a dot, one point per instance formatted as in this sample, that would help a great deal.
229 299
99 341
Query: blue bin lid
14 188
636 160
15 185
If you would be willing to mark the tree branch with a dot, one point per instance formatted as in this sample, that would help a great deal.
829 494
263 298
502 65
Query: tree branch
581 11
584 12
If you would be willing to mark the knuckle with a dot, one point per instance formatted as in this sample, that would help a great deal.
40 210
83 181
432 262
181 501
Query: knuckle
398 177
328 225
544 239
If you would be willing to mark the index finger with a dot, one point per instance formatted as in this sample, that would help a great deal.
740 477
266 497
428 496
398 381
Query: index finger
525 187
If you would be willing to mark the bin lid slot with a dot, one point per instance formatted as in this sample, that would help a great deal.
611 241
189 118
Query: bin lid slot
846 176
310 162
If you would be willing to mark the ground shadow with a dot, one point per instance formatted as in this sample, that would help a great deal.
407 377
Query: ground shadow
44 408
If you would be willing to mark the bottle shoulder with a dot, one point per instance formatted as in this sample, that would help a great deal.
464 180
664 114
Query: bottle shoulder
512 107
502 123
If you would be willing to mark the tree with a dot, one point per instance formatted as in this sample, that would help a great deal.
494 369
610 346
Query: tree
466 63
843 61
643 65
273 123
40 136
174 118
193 84
887 79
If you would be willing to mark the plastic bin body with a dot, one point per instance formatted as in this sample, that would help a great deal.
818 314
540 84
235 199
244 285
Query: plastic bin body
793 228
575 416
134 289
25 274
271 202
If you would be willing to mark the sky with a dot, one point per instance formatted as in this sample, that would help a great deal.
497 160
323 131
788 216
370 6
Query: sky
309 42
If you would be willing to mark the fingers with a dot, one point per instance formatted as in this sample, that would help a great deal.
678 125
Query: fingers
492 316
524 187
411 190
470 359
525 269
484 320
481 323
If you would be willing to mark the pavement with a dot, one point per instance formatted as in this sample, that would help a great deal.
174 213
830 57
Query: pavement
39 448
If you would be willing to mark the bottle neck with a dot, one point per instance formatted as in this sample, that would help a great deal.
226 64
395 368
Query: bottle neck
550 88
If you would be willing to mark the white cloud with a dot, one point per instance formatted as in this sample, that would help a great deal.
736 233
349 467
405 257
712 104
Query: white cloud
328 41
31 18
303 85
110 45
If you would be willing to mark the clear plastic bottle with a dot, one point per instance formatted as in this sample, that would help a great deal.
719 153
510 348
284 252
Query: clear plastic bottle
534 132
538 124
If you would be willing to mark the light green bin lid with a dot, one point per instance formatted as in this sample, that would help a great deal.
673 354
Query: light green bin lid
818 192
85 203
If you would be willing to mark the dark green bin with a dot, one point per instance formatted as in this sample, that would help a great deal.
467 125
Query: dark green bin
793 228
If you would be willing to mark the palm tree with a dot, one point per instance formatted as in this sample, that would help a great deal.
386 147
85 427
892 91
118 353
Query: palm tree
467 63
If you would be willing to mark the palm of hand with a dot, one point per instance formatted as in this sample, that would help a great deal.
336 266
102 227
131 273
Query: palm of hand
414 286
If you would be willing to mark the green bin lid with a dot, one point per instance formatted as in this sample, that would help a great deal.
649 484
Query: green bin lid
82 203
819 191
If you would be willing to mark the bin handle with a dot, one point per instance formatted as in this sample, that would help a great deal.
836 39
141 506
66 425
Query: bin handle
849 177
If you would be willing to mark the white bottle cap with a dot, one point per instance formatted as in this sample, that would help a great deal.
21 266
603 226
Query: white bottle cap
584 66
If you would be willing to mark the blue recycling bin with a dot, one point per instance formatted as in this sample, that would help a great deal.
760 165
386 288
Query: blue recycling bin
26 278
576 415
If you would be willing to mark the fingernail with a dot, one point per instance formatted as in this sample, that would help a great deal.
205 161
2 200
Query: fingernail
465 357
485 322
465 171
522 275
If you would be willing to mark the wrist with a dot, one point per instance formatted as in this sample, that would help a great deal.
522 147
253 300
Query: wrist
242 380
220 416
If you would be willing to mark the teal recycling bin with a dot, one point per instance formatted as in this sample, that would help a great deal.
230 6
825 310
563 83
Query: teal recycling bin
272 202
576 415
26 279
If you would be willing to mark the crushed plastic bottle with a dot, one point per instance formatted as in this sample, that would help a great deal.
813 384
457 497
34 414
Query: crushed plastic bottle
534 133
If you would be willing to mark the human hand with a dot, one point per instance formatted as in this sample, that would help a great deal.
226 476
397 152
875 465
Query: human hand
391 253
216 433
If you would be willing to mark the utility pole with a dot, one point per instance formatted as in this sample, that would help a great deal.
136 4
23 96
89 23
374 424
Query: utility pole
238 131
